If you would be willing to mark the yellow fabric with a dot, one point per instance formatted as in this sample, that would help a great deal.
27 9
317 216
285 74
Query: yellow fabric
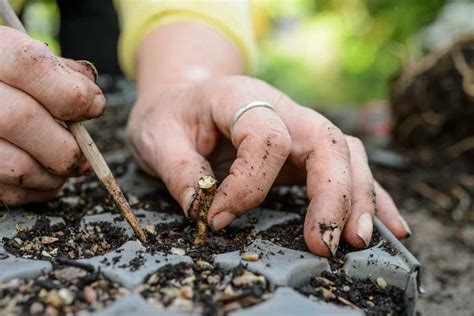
138 18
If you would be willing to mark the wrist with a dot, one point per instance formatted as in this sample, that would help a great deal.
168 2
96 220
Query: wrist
185 53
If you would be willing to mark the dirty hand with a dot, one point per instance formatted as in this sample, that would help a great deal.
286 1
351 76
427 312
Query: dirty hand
180 129
36 88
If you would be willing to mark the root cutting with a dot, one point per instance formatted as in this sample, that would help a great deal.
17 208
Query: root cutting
206 189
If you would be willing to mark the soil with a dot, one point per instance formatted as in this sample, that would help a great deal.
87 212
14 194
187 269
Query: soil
66 290
176 237
443 229
336 286
46 241
340 289
206 289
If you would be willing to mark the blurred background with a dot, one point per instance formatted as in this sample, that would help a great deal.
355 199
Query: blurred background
320 52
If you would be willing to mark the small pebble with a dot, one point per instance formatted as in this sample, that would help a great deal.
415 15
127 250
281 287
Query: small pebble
204 265
46 240
381 283
36 308
90 295
44 253
153 279
250 256
66 297
247 279
151 229
177 251
327 295
54 299
323 281
21 228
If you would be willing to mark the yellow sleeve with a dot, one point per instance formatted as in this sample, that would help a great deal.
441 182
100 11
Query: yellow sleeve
138 18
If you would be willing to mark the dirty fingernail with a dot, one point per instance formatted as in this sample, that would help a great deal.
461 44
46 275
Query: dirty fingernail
189 196
365 227
331 239
221 220
90 66
406 227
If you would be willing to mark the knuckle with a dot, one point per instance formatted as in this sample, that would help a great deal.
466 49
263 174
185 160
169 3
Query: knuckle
277 141
334 136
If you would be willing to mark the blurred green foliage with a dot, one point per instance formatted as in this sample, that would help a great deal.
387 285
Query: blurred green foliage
340 51
41 20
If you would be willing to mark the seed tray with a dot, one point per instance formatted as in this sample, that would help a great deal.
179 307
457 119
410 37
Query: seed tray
286 270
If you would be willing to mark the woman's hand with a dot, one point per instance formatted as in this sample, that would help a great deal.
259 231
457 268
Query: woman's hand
36 89
181 132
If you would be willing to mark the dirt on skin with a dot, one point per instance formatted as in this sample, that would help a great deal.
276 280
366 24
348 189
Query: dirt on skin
205 289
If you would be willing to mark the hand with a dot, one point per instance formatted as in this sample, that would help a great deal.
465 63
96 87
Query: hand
36 89
181 132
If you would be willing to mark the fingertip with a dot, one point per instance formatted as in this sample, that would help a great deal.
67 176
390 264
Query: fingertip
358 234
321 243
221 220
187 201
97 107
89 69
402 231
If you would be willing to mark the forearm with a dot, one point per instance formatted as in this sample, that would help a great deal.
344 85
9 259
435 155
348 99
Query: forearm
183 52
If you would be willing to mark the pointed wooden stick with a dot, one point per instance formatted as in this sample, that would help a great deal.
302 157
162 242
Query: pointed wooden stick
86 144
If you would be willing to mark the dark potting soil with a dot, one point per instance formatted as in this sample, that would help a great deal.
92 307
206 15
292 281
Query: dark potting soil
336 286
66 290
172 237
205 289
373 298
45 241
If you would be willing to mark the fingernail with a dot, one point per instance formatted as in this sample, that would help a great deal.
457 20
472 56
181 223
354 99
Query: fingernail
365 228
221 220
331 239
406 227
189 196
90 66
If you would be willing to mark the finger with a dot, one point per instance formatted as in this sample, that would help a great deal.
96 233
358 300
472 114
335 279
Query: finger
29 126
13 195
263 145
321 148
359 227
30 66
388 213
168 152
20 169
82 66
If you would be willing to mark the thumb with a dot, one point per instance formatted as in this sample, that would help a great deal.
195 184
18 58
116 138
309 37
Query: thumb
169 152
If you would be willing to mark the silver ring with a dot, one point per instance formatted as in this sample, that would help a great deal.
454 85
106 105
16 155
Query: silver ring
248 107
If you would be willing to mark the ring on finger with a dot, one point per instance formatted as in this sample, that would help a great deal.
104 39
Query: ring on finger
252 105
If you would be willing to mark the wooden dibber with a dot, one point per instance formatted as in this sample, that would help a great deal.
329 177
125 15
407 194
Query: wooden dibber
85 142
